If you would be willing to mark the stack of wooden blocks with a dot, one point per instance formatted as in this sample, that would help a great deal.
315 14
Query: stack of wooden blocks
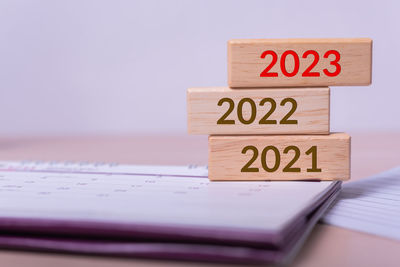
272 122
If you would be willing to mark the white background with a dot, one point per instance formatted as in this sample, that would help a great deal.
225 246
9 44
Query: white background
116 67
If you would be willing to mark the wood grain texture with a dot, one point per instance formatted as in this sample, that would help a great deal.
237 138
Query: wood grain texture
312 112
245 63
226 160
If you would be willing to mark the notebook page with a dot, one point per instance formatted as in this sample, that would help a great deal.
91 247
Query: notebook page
371 205
106 168
121 194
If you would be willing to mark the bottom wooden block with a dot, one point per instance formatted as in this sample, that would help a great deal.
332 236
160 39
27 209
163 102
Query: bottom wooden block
279 157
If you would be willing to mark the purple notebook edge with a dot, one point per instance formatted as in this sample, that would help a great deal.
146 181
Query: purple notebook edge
160 232
176 250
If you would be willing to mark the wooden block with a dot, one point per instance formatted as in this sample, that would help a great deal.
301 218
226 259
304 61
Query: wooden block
221 110
299 62
279 157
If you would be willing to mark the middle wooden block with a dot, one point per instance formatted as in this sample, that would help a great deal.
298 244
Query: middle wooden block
221 110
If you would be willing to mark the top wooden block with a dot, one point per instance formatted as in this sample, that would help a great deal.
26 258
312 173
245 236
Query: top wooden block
299 62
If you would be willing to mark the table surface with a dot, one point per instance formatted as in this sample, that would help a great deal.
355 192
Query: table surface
327 245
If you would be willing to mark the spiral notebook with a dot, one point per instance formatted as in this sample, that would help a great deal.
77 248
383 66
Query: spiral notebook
167 212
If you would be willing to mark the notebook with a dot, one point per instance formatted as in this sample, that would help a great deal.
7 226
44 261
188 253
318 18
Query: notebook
165 212
370 205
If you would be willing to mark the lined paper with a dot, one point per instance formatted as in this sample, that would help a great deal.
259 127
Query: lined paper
371 205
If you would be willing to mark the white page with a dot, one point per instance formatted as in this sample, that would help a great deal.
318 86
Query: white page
371 205
164 195
98 168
